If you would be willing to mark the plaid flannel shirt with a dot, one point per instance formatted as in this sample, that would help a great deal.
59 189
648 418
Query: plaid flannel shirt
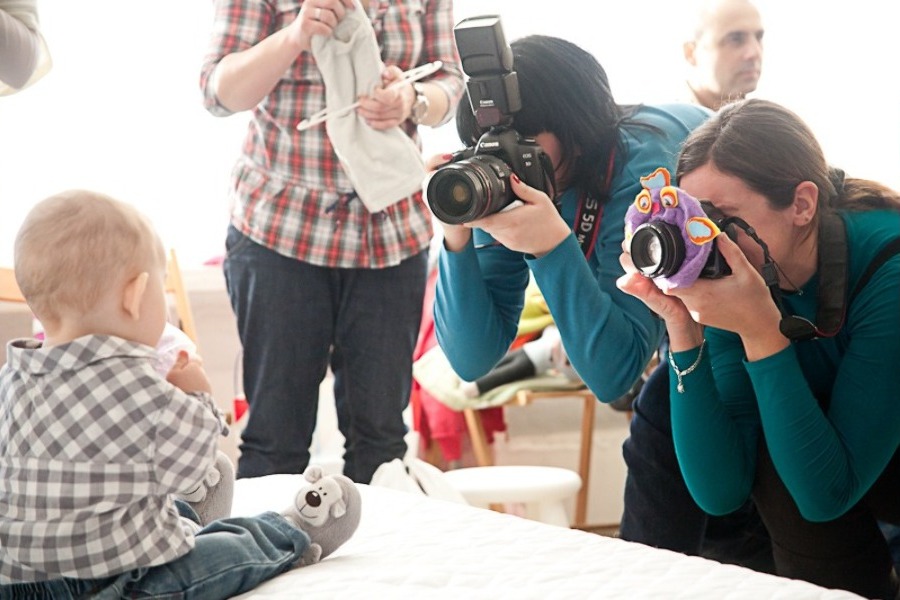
93 443
289 192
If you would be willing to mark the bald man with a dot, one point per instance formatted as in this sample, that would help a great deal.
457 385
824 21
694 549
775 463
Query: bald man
724 53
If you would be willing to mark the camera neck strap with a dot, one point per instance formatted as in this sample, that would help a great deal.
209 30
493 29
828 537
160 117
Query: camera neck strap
831 305
590 212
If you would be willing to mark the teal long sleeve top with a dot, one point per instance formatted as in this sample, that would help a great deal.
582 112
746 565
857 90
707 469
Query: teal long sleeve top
827 460
608 335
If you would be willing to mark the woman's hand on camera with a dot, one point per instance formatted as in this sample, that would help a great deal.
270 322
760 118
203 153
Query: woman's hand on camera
534 228
740 303
684 332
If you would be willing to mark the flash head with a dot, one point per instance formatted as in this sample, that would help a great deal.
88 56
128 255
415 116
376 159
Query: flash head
487 59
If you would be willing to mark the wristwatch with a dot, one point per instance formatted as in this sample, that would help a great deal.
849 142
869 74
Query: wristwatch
420 106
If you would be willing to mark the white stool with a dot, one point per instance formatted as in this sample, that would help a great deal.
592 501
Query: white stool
541 489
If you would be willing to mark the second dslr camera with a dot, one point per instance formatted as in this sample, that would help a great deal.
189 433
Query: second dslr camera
476 182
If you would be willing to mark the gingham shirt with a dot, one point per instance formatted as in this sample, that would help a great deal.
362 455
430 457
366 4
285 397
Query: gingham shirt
289 192
93 442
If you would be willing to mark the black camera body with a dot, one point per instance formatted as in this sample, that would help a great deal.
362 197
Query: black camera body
658 247
476 182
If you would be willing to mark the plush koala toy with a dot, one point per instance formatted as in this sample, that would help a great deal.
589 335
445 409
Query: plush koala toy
327 509
212 497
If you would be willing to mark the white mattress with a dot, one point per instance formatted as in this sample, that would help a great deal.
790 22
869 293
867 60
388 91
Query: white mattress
413 546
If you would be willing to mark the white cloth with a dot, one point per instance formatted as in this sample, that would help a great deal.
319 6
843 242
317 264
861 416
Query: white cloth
383 166
416 476
24 56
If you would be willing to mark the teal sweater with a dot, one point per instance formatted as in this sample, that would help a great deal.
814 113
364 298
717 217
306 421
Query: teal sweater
828 461
609 336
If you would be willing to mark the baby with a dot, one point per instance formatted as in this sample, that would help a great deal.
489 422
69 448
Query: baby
95 445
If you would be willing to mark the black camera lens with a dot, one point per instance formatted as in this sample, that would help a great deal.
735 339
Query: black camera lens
469 189
657 249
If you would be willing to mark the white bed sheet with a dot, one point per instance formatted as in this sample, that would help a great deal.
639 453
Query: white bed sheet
413 546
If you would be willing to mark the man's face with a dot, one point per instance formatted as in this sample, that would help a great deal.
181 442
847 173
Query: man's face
727 56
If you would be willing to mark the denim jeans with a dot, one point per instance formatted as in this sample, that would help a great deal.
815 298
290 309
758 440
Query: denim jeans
659 510
295 320
231 556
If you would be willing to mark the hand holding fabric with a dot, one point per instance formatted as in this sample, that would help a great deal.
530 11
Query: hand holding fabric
389 105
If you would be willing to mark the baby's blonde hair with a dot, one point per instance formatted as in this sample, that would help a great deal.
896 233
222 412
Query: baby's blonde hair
77 245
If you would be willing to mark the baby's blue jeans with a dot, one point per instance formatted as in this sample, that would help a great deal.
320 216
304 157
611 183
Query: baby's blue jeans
231 556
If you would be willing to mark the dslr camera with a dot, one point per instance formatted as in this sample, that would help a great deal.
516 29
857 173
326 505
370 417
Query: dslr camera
658 247
476 182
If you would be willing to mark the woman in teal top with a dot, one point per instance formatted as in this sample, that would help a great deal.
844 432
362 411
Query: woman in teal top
599 151
808 429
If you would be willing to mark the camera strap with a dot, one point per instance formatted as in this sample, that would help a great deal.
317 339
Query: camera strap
831 302
832 298
590 213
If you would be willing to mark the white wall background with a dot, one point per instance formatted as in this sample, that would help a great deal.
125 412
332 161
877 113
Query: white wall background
121 113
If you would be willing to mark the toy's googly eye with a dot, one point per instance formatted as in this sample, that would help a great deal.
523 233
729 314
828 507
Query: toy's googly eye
701 230
668 197
643 201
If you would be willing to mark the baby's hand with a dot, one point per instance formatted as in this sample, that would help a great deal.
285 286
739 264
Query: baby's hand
188 375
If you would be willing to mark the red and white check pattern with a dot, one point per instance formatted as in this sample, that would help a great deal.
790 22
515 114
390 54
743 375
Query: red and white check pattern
289 192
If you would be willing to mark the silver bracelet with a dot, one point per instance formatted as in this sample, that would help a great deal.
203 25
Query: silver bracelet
689 370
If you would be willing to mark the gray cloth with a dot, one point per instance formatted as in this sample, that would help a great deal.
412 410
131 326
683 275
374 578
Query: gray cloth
383 166
23 54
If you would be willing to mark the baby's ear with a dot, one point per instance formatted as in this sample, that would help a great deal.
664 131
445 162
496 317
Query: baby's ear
133 296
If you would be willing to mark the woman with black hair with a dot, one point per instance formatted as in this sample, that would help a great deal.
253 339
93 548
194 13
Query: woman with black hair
783 376
571 243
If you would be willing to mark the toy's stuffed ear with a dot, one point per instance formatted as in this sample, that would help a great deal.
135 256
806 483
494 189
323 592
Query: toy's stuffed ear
313 473
338 509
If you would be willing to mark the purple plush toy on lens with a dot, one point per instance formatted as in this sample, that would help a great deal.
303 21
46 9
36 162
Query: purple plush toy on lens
670 233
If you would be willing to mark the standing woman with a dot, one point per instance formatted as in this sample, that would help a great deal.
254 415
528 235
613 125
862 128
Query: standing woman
316 279
599 150
809 429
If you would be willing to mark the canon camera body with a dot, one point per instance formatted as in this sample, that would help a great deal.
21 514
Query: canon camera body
476 182
658 247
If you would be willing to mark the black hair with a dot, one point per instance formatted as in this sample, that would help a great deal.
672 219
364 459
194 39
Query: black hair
564 91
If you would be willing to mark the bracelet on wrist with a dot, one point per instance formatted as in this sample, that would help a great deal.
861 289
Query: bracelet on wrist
679 373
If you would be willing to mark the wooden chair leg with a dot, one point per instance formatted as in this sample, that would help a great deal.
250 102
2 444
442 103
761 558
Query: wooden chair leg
584 460
479 438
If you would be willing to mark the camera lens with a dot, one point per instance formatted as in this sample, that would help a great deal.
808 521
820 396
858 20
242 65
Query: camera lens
454 191
657 249
469 189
